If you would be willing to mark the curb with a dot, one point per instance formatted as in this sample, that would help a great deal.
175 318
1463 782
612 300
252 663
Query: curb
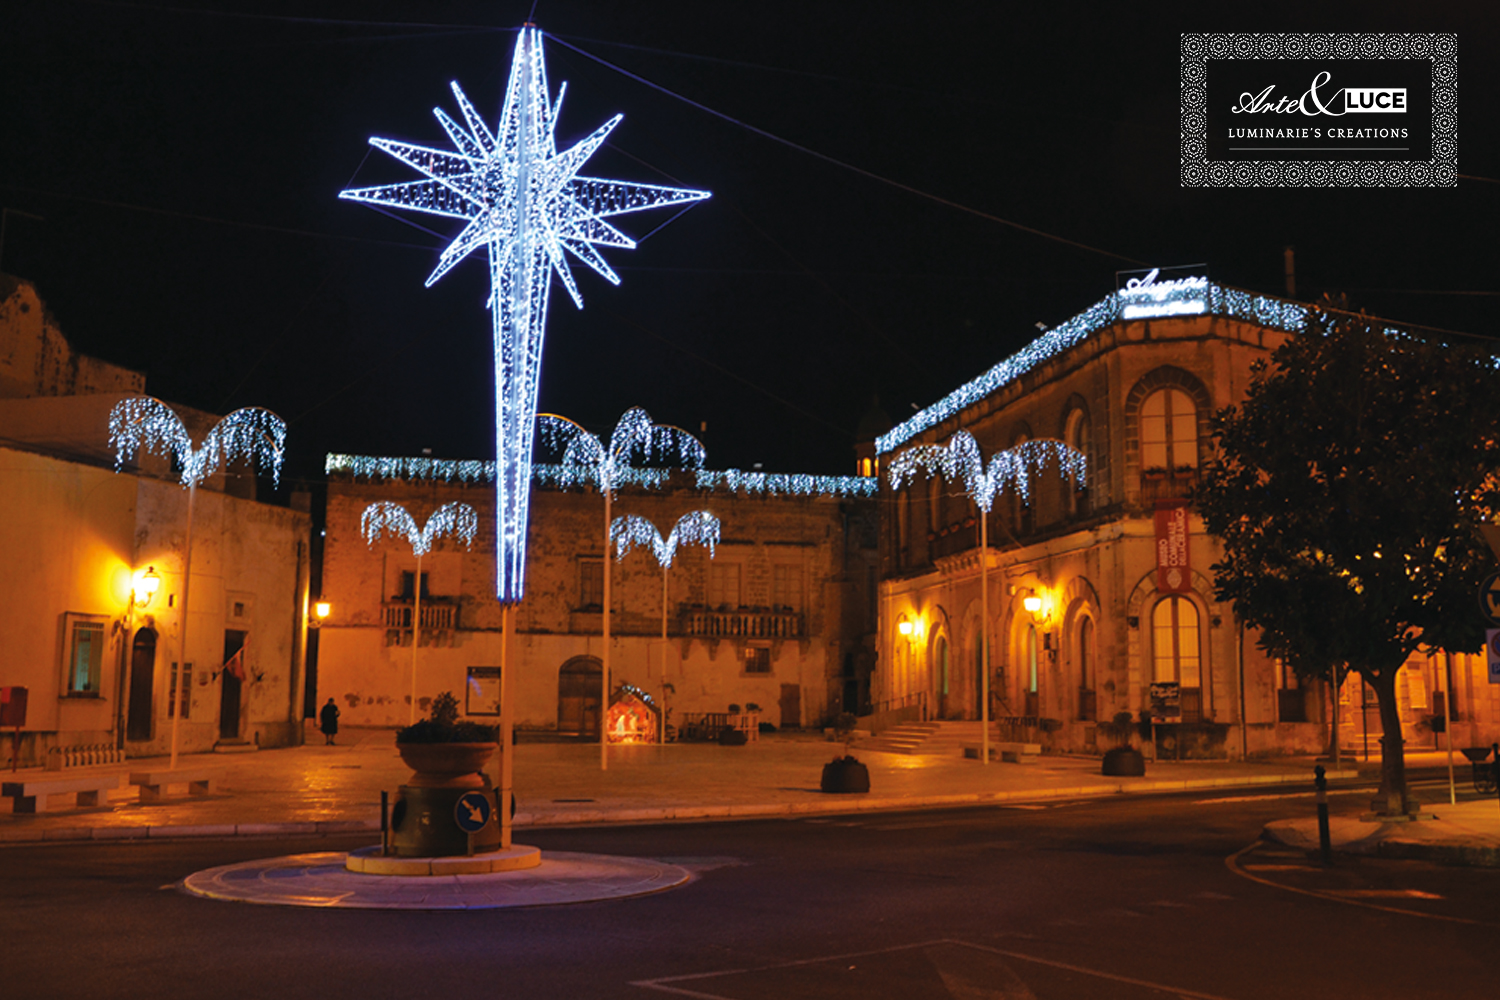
1295 833
658 814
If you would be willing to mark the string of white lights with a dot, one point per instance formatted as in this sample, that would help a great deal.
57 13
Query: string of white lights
634 437
467 473
146 423
1009 470
1150 299
384 517
697 527
525 202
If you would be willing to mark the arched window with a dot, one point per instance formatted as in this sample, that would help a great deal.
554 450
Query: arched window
1076 435
1169 431
1087 705
1175 652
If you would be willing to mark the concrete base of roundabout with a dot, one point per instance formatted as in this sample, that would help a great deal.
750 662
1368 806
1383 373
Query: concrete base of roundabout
370 861
332 880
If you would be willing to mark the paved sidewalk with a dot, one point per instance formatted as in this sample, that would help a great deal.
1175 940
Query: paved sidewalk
317 789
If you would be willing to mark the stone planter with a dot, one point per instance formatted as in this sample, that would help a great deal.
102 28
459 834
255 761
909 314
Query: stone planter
446 765
845 775
1124 762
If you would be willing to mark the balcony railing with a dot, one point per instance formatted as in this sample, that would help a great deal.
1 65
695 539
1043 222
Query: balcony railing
742 624
436 614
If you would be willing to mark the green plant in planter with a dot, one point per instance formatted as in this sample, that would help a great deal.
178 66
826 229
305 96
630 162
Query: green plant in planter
845 773
442 726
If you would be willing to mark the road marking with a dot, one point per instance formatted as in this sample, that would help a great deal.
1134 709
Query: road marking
1279 795
671 984
1233 864
1387 893
1279 868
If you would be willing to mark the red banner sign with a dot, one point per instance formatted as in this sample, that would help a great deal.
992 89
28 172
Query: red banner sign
1172 573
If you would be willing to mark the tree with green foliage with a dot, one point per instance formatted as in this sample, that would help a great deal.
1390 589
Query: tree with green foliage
1348 491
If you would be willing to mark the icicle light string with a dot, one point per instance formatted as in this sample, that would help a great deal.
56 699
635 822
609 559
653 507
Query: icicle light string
144 423
385 517
696 528
1010 470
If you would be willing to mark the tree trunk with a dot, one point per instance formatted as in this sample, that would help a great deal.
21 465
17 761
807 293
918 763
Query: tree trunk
1393 799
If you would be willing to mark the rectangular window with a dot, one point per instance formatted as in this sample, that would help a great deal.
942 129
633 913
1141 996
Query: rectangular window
591 584
407 590
758 660
786 588
724 585
85 655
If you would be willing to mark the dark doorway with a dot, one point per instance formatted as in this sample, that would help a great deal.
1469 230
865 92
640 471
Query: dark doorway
232 680
578 696
142 685
791 706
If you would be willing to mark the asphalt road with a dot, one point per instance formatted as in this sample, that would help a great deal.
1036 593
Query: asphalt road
1137 898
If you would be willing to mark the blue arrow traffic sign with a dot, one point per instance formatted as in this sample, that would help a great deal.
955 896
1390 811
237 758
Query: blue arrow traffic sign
1489 598
472 811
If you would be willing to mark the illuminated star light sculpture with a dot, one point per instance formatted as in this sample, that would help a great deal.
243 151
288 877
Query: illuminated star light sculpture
586 459
696 528
145 423
449 519
526 203
1009 469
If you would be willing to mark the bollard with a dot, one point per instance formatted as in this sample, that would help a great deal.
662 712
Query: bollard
1325 844
385 824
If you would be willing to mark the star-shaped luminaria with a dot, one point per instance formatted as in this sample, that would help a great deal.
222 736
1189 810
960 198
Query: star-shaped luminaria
526 203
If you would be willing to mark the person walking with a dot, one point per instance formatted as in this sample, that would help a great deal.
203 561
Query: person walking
328 721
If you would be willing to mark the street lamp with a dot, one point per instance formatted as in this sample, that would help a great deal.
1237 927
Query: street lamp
321 610
144 587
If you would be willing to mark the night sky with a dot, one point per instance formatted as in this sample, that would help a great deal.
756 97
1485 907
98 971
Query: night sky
186 158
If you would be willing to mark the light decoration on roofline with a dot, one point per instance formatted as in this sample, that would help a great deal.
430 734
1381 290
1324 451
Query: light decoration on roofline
696 528
1217 300
385 517
525 202
144 423
1009 470
470 472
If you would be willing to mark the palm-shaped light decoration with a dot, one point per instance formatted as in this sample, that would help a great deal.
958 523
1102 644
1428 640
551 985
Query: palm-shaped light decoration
1012 470
634 437
696 528
384 517
526 203
145 423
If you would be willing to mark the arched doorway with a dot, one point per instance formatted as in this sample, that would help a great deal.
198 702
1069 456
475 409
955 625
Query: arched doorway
142 685
578 708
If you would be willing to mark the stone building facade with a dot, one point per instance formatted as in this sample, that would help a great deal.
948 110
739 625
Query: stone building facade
101 670
781 616
1131 383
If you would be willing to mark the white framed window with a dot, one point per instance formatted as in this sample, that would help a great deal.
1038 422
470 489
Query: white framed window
1169 431
723 585
84 641
786 587
1175 651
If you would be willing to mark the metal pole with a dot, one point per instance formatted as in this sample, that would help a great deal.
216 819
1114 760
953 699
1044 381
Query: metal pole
385 823
416 639
507 719
1325 842
604 672
180 696
1448 724
662 721
1239 664
1338 685
984 633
